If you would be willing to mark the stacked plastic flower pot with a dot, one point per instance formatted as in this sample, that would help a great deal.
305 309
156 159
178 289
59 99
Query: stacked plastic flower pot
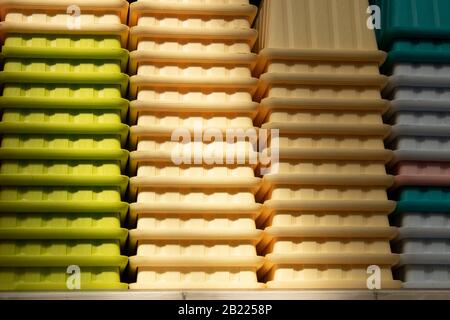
61 145
325 202
416 35
194 210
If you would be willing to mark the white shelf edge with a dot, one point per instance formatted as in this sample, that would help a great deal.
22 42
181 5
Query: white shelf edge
233 295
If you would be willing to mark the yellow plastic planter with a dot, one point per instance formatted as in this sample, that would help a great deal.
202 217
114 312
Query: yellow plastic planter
106 11
59 97
56 278
61 200
62 226
64 46
30 71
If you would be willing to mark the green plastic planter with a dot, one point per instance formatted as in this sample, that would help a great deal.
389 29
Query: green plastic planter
62 200
60 226
77 47
56 279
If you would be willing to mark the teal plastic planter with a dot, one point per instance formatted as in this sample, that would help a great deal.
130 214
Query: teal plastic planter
412 19
422 199
411 51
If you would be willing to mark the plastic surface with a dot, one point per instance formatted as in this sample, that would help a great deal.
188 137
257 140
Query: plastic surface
411 136
55 278
342 68
417 51
274 181
331 141
423 118
420 148
337 110
161 125
8 28
410 19
424 224
332 251
53 97
196 2
199 69
322 130
41 115
43 10
78 47
331 198
188 201
59 226
417 245
345 224
201 49
287 31
181 247
194 176
46 77
190 115
418 99
54 67
423 199
165 227
106 133
196 278
438 71
297 15
62 147
268 81
140 34
424 276
340 94
198 96
154 149
425 258
191 14
328 147
327 168
326 277
61 200
193 83
61 173
350 154
188 15
422 174
409 76
177 55
61 253
193 261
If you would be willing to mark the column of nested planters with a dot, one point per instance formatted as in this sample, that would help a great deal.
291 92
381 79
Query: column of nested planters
325 202
193 219
61 145
418 65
